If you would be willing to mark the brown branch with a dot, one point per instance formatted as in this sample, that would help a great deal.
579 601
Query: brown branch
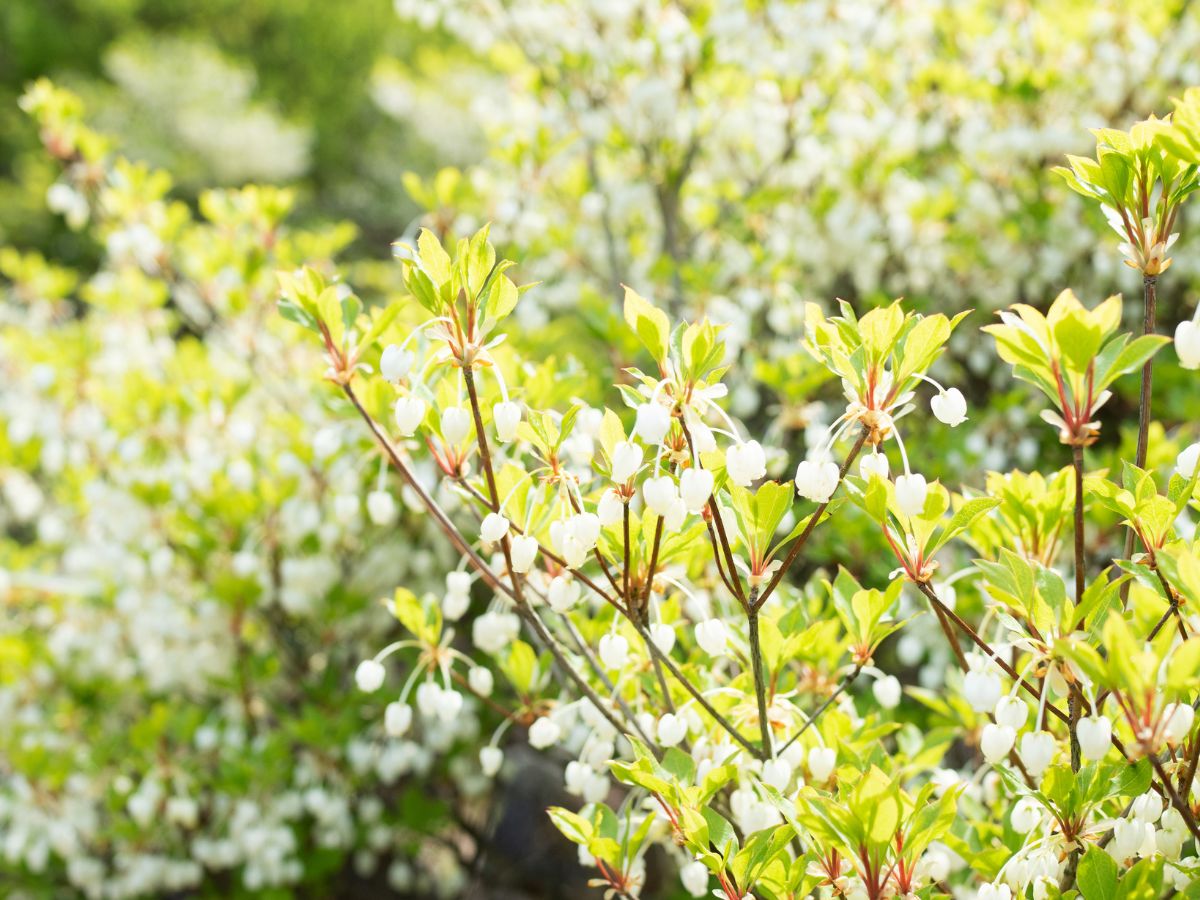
800 541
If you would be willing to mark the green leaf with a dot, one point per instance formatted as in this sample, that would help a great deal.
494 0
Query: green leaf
650 324
1097 875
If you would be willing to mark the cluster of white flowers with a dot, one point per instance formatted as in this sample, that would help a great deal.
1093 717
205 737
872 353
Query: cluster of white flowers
881 167
177 554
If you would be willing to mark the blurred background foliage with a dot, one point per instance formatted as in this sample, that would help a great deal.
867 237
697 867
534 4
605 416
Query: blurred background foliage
222 92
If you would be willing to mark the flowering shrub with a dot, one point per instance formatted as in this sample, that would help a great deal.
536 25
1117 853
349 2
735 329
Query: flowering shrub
738 697
187 566
636 570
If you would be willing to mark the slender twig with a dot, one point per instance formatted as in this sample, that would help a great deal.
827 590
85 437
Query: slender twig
829 701
579 575
431 505
1149 309
480 565
760 678
696 693
645 603
979 642
1080 585
716 533
800 541
1077 464
1177 801
581 646
625 570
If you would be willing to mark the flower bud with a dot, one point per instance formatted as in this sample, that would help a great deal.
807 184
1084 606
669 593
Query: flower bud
456 424
653 423
711 636
821 762
671 729
524 551
490 760
745 463
381 507
369 675
614 651
1095 736
493 528
507 416
996 741
610 509
659 494
544 733
397 717
911 491
1037 751
887 691
817 480
695 487
1187 344
1011 711
481 681
950 407
410 412
395 362
626 459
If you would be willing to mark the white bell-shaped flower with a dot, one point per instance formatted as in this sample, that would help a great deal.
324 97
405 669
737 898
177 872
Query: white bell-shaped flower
659 493
524 551
493 528
653 422
712 636
950 407
817 480
996 740
745 463
887 691
911 491
695 487
1095 736
626 459
410 412
456 424
613 651
507 416
610 509
1187 344
369 675
395 362
544 733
